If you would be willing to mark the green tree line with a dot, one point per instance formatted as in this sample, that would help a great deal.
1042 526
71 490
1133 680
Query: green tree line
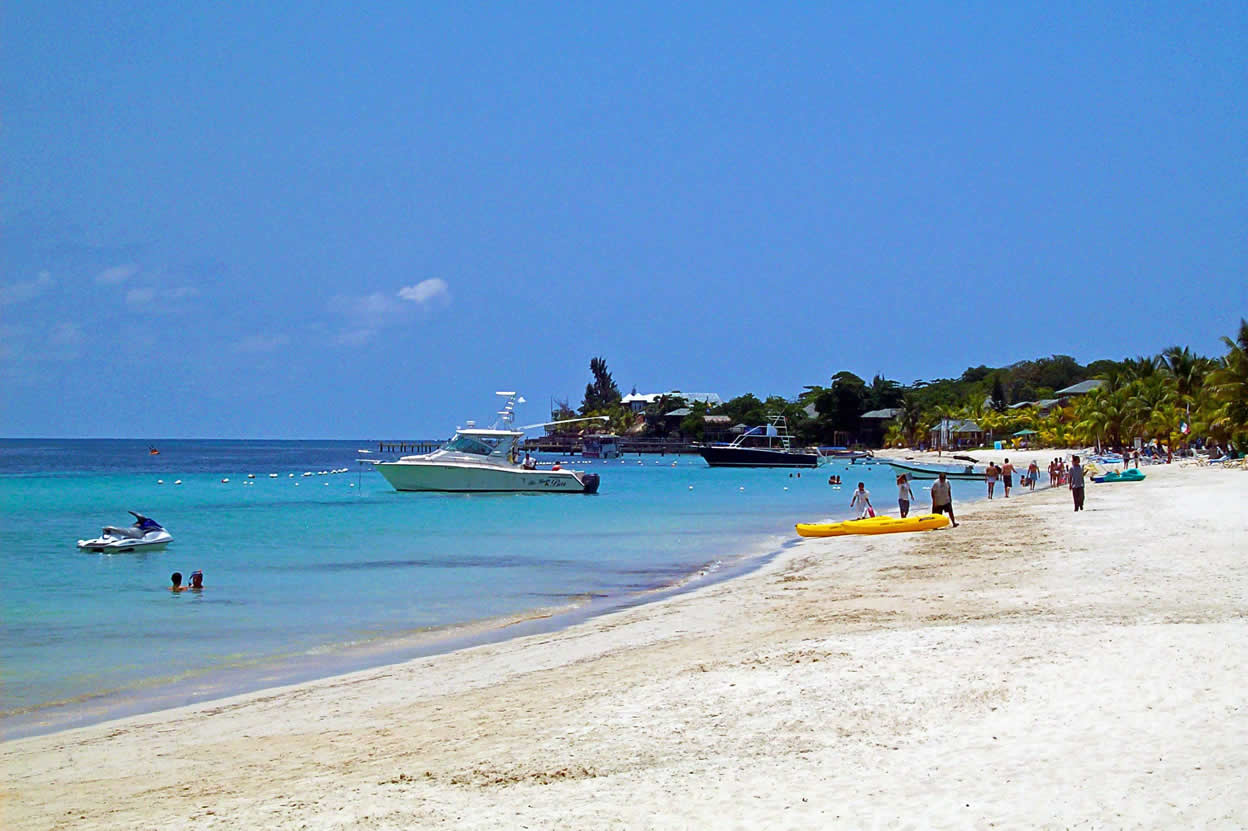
1173 396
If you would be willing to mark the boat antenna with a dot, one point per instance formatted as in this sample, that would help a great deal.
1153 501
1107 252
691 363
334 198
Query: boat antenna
507 415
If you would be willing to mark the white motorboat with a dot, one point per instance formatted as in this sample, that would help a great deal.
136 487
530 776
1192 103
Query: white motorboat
145 533
485 460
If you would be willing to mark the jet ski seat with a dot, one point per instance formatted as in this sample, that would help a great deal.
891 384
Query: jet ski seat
130 531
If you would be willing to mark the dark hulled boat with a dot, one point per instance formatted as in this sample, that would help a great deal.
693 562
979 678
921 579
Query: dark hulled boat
767 445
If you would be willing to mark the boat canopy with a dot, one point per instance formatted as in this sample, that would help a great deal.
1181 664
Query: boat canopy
483 442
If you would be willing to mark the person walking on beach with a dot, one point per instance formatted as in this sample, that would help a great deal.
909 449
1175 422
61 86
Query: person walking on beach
1076 482
862 500
1007 477
1033 473
991 477
904 495
942 498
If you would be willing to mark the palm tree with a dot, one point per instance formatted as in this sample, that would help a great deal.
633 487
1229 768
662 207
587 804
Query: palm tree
1099 414
1147 397
1185 367
909 419
1141 367
1228 385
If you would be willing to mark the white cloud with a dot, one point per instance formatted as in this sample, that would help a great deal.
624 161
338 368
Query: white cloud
355 337
37 344
374 304
117 274
147 295
26 289
10 341
140 297
426 290
65 334
368 314
261 343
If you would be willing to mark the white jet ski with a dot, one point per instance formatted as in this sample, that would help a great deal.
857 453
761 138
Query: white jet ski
143 534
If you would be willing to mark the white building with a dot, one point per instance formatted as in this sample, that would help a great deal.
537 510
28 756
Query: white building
639 401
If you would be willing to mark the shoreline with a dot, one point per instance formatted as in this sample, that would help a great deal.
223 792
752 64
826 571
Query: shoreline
1032 667
328 661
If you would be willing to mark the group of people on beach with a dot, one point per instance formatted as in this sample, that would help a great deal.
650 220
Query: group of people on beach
1059 472
942 498
1004 473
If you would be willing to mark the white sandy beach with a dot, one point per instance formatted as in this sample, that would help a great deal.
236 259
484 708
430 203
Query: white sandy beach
1034 667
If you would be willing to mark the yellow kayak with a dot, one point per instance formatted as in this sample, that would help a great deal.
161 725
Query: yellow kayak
874 525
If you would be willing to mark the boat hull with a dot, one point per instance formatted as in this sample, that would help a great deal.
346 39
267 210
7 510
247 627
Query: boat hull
875 525
150 542
964 472
727 456
443 478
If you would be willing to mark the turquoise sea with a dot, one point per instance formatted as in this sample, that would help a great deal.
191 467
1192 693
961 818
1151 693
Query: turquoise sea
307 576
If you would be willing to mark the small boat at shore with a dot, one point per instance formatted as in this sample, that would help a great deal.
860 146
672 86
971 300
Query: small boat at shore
485 460
874 525
1130 475
845 453
925 471
767 445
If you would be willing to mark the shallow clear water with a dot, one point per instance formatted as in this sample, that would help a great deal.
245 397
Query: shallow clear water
296 566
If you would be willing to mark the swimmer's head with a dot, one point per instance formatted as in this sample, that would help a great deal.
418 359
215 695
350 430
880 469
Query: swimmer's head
176 578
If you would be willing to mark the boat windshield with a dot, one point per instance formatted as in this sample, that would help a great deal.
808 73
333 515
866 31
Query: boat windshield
482 446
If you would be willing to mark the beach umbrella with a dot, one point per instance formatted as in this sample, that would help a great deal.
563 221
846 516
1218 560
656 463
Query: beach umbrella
1026 433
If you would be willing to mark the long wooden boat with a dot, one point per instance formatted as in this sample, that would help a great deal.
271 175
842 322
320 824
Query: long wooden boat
920 471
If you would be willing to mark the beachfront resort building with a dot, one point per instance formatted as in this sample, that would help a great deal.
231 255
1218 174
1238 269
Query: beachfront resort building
1043 407
1046 405
952 433
1081 388
873 425
716 427
638 401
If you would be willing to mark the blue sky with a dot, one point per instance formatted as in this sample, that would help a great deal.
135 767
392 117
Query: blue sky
360 220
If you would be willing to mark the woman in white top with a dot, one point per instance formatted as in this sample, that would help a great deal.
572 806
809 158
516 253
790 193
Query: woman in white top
904 495
861 500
